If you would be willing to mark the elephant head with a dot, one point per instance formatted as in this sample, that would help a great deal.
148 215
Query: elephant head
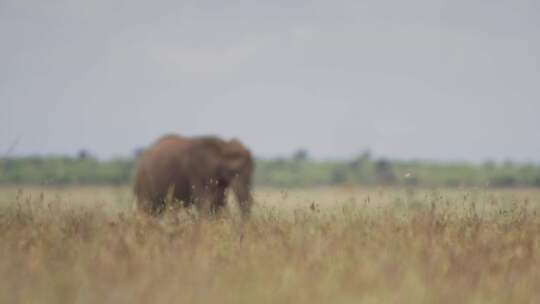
235 170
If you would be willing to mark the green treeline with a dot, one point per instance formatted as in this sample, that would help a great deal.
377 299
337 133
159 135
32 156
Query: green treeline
296 171
64 171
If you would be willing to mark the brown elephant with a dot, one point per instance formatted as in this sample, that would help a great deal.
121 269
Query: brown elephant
196 170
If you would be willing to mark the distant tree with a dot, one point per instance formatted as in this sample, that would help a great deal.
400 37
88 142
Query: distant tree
489 165
361 160
536 181
385 172
339 175
300 154
503 181
508 163
366 155
83 154
137 152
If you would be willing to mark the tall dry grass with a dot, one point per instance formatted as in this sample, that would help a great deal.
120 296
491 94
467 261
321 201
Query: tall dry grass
317 246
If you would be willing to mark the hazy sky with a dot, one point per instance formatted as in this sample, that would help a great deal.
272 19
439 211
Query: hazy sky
432 79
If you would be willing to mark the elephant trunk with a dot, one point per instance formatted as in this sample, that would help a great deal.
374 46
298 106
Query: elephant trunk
243 195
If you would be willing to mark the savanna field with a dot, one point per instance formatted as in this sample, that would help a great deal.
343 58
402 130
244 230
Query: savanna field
331 245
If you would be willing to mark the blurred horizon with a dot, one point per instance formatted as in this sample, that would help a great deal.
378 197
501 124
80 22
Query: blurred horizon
293 155
434 80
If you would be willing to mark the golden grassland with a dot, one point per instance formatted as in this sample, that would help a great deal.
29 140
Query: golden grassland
334 245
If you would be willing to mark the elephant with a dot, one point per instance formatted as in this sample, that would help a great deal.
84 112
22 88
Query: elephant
194 171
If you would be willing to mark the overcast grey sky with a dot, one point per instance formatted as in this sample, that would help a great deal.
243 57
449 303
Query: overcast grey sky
431 79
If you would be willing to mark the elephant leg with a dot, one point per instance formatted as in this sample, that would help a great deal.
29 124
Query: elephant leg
151 206
218 203
210 200
183 196
202 200
144 205
245 208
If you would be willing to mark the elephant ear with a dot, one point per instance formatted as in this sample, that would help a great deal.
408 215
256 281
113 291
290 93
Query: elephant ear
234 158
